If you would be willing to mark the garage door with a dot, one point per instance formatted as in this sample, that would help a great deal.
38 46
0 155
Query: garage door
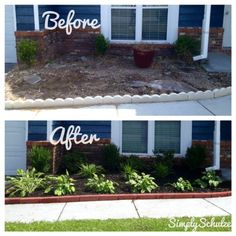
10 42
15 146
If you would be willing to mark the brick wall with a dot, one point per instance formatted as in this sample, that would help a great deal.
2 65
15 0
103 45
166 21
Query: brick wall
52 44
225 152
215 38
56 152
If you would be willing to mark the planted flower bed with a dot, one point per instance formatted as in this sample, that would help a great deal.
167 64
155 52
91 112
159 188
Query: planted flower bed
116 175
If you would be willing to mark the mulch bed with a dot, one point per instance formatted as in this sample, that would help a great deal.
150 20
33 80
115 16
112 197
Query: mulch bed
109 75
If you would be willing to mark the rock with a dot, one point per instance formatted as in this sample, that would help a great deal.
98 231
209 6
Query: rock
32 79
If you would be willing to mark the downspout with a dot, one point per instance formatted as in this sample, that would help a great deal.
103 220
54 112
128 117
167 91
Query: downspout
216 148
205 34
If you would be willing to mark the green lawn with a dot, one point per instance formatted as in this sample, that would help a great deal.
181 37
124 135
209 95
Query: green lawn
142 224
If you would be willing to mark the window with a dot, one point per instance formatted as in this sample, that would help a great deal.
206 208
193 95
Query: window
123 22
126 23
134 136
167 136
154 23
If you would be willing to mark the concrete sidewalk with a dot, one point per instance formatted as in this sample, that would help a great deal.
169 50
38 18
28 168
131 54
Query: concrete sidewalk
208 107
119 209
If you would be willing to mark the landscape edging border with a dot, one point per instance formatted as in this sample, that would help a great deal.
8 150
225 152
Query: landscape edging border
105 197
117 99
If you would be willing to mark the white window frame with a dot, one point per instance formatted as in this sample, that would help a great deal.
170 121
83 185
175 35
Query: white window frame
172 24
185 137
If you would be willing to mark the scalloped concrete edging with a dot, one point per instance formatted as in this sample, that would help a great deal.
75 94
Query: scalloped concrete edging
103 197
117 99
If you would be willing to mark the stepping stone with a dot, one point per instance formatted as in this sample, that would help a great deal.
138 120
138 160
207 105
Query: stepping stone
32 79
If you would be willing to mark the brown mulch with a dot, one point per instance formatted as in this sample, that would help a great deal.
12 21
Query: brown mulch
109 75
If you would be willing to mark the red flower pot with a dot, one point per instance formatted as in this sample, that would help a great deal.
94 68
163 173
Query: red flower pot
143 58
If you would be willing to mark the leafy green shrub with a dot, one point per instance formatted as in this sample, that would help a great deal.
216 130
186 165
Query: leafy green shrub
195 157
61 185
209 179
101 185
40 158
164 164
25 183
127 171
111 157
141 183
88 170
101 44
186 47
27 51
134 161
182 185
72 162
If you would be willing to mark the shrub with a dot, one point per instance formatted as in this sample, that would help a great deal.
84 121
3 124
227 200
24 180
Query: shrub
88 170
27 51
182 185
40 158
25 183
101 185
209 179
164 164
61 185
186 47
134 161
127 171
72 162
195 157
141 183
101 44
111 157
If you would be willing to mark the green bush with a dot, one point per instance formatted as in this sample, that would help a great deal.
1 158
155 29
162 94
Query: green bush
164 164
88 170
40 158
182 185
111 157
101 185
134 161
72 162
186 47
60 185
141 183
127 171
209 179
195 157
101 44
25 183
27 51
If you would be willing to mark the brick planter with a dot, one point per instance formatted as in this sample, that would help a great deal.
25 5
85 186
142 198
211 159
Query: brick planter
104 197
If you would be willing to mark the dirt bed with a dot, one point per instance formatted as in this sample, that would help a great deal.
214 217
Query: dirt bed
109 75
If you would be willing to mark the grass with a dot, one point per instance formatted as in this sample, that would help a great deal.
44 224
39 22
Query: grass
141 224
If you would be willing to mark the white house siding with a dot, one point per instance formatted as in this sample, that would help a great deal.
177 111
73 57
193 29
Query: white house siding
10 42
15 146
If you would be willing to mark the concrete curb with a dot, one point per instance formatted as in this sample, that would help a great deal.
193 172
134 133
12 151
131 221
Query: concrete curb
105 197
117 99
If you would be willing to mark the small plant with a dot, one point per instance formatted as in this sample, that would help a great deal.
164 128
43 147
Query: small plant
72 162
127 171
111 157
101 185
195 157
141 183
164 164
40 158
134 161
209 179
27 51
182 185
88 170
186 47
25 183
101 44
61 185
